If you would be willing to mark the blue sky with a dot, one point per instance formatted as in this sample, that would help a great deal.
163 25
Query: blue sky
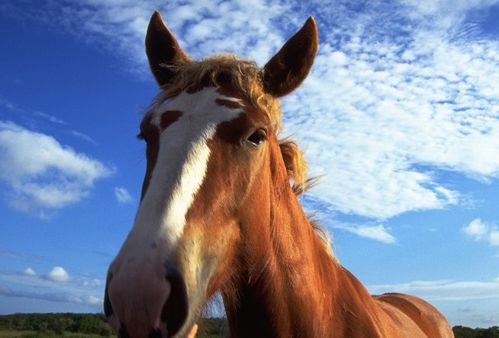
400 116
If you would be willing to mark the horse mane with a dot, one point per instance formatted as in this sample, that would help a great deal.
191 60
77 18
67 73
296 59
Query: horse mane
244 76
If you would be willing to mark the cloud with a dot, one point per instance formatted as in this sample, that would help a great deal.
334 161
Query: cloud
29 272
444 290
375 232
43 174
122 195
58 274
17 109
481 231
51 296
494 237
49 118
92 282
389 134
20 255
55 286
395 114
83 137
476 229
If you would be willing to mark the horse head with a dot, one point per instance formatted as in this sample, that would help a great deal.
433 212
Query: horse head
215 168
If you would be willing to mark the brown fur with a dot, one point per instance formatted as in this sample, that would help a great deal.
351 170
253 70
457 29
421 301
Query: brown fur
246 233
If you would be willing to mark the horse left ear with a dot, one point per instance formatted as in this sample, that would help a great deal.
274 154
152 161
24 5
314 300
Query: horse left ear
162 50
290 66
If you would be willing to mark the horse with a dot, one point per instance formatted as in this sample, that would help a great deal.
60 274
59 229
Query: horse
220 211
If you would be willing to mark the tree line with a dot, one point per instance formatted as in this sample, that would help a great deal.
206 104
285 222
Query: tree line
56 324
466 332
96 324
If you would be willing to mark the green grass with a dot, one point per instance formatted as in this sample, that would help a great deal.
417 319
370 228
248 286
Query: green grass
74 325
35 334
12 333
71 325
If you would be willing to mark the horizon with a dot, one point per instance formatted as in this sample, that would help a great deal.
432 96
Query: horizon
399 117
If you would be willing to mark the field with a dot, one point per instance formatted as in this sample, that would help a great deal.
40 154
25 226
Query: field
71 325
36 334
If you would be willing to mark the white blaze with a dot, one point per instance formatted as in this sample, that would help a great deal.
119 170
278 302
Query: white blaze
180 167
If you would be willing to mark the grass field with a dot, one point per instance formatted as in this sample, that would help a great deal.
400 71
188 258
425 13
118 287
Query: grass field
81 325
71 325
36 334
11 333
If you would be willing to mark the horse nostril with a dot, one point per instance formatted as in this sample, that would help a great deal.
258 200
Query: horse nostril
123 332
175 310
155 334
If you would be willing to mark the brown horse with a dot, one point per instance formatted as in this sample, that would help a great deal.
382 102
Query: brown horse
219 212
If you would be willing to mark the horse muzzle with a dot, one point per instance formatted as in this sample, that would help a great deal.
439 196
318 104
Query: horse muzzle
142 303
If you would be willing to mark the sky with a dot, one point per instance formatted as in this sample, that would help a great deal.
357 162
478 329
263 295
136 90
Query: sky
399 117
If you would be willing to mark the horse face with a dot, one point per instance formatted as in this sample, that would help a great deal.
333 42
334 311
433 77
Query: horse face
209 167
203 152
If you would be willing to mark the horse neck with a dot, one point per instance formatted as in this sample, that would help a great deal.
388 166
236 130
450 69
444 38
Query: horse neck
291 285
285 286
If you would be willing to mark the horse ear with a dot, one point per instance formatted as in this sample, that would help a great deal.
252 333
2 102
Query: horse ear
290 66
162 49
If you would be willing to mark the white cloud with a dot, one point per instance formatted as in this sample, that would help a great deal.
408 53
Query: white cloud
92 282
494 237
481 231
43 174
444 290
52 296
122 195
476 229
29 272
83 137
375 232
92 300
58 274
381 129
83 290
17 109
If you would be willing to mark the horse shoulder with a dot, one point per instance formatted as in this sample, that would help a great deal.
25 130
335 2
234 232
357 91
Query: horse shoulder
414 316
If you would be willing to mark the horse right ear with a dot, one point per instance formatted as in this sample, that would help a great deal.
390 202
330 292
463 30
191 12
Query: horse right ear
162 50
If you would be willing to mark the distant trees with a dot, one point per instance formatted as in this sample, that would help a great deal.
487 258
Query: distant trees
466 332
55 324
213 328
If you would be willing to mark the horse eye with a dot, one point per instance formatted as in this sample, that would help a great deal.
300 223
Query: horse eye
259 136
